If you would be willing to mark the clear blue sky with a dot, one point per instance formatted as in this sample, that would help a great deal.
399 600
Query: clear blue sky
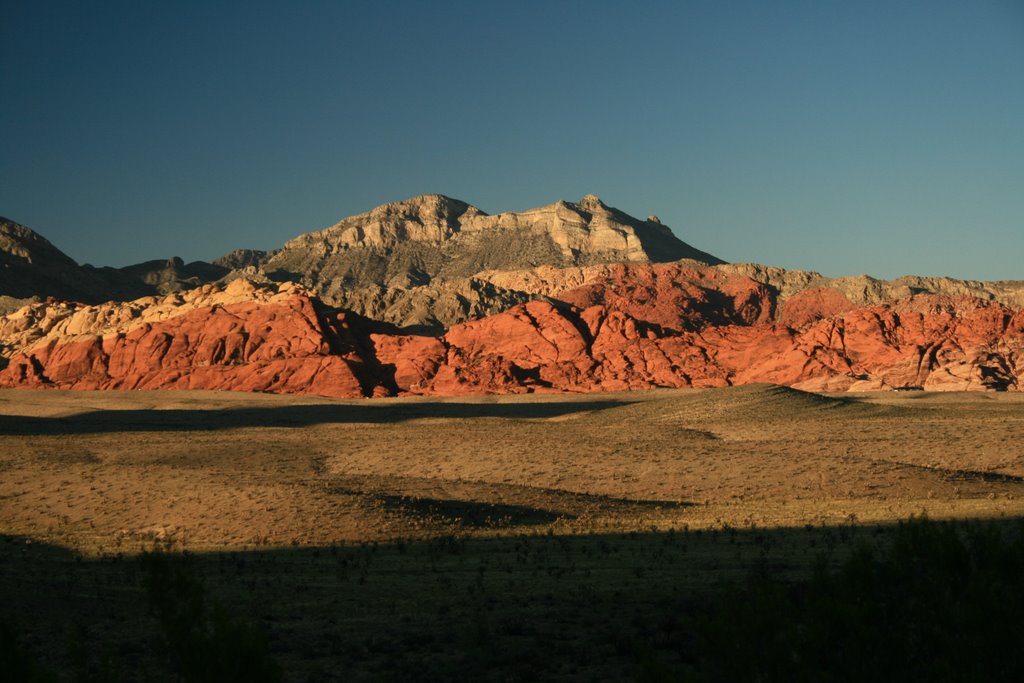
844 137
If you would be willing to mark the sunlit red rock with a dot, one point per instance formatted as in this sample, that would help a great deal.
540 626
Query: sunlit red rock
279 346
631 326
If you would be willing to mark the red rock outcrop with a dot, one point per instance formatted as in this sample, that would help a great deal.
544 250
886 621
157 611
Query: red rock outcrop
628 326
285 344
928 342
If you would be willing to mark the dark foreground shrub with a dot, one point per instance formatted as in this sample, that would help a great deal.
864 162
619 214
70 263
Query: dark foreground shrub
16 663
944 603
205 643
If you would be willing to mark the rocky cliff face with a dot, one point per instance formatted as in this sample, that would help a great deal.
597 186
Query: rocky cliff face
562 233
415 262
627 326
934 343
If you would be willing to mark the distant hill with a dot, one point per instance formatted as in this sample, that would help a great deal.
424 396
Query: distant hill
32 269
174 275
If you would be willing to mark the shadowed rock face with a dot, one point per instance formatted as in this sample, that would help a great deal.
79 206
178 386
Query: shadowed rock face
240 258
174 275
630 326
32 269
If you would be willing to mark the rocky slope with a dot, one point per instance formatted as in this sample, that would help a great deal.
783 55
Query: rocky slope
436 236
174 275
32 269
431 262
414 262
861 290
241 338
626 326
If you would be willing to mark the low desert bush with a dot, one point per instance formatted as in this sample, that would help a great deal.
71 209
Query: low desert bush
941 603
205 643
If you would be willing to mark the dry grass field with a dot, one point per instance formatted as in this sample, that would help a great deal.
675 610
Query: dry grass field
509 538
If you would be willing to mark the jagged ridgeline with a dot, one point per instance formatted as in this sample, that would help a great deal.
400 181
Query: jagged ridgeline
412 242
431 262
563 298
415 262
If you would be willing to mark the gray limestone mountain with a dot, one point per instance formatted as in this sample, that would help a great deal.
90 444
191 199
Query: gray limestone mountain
430 262
31 268
240 258
435 236
415 262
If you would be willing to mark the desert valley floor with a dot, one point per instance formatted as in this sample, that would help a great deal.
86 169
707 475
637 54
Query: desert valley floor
380 535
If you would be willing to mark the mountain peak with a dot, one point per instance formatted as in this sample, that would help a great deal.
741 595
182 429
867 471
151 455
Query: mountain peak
590 202
423 204
376 262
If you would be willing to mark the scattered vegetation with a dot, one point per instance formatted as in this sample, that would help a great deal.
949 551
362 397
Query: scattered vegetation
942 603
916 601
742 535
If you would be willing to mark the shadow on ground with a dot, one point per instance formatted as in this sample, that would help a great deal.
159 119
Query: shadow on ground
469 513
456 506
920 600
101 421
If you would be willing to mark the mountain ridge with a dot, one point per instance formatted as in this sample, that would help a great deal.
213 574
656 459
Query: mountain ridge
652 325
413 261
430 262
432 296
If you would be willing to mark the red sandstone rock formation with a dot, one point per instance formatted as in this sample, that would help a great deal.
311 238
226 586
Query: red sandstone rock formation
628 327
929 342
285 345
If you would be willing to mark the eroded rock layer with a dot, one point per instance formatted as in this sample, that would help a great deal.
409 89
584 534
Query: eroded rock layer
622 326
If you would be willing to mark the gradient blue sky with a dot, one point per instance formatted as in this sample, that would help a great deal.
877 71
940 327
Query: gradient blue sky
843 137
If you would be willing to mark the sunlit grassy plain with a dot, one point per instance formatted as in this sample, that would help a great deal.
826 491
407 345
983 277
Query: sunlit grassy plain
503 538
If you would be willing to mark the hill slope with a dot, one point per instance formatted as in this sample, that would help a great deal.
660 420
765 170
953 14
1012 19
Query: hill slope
415 262
32 268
